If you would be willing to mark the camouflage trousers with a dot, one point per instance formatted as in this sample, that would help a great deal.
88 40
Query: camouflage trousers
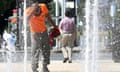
41 46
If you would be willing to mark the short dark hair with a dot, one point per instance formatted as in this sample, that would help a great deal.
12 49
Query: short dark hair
68 13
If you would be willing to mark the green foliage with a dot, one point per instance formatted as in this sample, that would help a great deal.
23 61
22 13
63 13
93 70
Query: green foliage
44 1
117 17
81 7
5 5
52 8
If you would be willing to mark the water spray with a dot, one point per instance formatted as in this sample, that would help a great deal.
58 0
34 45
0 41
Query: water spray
94 42
25 37
91 35
87 10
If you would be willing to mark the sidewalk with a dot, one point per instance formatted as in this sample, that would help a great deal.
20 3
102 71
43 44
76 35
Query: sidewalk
58 66
75 49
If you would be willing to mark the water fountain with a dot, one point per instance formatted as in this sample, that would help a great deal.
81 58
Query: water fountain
25 37
91 35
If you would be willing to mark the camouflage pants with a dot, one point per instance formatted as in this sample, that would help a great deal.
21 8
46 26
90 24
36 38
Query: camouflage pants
41 46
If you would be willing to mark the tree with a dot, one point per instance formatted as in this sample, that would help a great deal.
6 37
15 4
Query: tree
52 8
118 15
44 1
7 5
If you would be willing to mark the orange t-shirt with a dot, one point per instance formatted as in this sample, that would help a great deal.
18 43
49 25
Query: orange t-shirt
37 23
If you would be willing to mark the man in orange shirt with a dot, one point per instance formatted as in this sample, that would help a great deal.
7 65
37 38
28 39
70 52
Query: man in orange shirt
36 14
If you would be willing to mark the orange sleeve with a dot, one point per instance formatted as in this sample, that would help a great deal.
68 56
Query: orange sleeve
44 8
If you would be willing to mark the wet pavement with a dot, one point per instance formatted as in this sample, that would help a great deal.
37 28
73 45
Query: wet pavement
19 56
104 62
58 66
56 55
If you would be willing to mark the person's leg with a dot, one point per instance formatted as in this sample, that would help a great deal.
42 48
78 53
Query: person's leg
45 52
69 48
45 60
65 54
64 50
35 53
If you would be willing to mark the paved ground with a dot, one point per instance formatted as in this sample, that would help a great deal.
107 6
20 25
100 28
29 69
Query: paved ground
105 63
58 66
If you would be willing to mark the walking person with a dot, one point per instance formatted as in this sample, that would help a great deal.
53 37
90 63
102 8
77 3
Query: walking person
67 30
36 14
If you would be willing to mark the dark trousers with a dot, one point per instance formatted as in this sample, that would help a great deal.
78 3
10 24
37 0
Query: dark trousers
41 46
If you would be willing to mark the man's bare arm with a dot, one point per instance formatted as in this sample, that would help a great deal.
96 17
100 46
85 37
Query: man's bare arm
50 20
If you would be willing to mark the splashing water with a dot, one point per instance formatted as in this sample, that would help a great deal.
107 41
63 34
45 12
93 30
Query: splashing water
25 38
9 48
91 35
87 10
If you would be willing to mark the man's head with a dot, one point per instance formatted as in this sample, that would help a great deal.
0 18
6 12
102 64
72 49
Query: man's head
68 13
37 9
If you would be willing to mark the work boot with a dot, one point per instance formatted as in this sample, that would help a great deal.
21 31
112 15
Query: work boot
69 61
45 68
35 68
35 71
65 60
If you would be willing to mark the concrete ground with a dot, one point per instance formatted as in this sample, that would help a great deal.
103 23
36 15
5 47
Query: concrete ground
58 66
